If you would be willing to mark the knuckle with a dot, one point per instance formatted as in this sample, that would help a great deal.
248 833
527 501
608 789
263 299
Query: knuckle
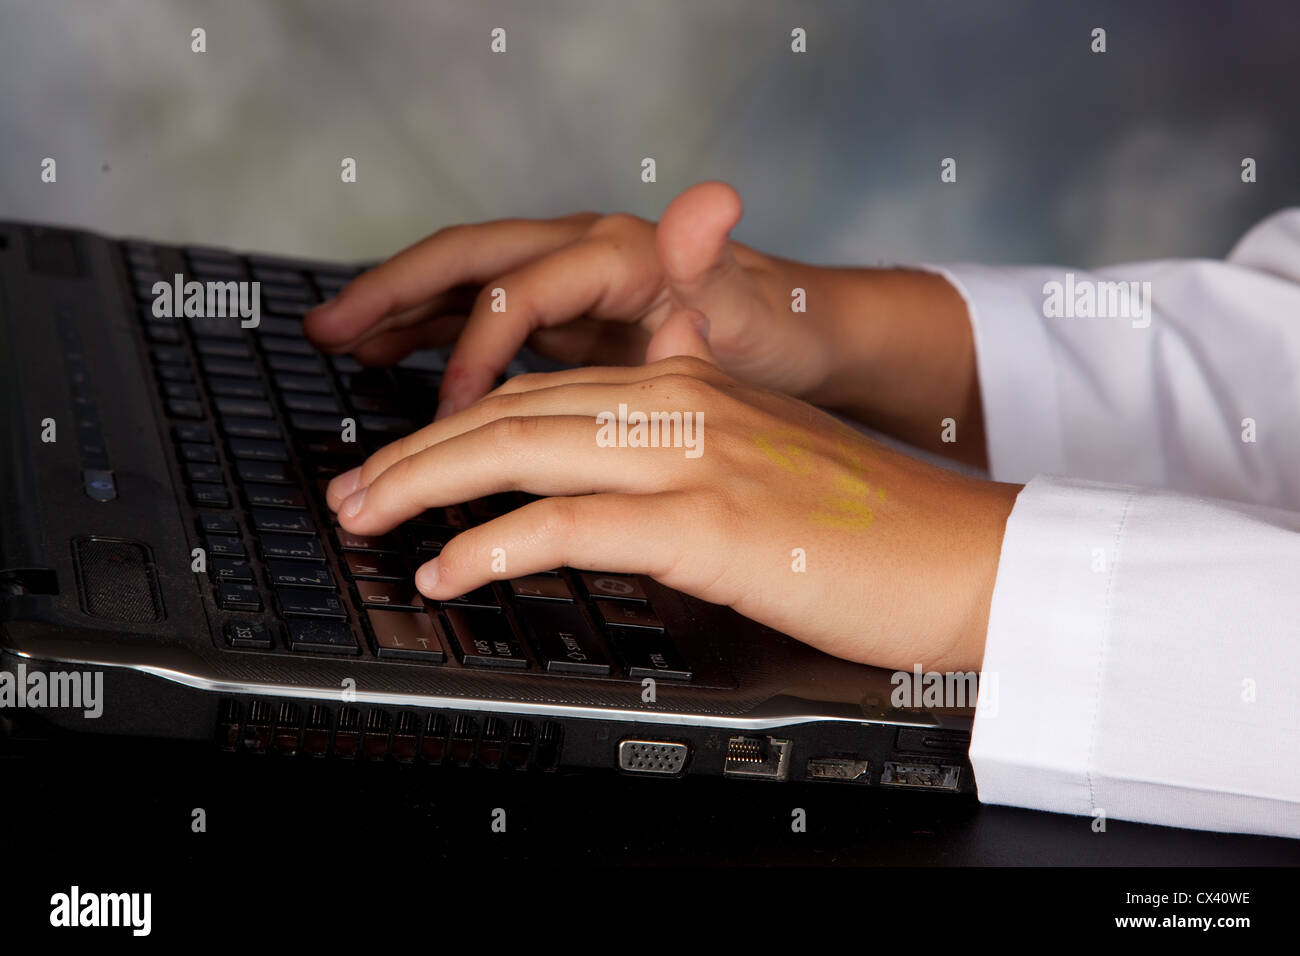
557 519
616 223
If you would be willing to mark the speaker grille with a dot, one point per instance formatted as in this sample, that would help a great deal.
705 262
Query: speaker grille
116 580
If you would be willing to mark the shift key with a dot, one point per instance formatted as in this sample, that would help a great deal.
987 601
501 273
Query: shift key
563 641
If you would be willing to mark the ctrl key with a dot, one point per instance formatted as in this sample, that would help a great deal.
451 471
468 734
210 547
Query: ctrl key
252 634
322 637
648 654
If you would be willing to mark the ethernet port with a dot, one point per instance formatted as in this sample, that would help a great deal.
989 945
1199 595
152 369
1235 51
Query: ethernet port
763 757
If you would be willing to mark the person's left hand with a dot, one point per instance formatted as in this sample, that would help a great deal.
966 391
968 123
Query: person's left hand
785 514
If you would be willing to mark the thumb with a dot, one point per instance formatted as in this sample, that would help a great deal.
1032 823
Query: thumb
685 332
691 238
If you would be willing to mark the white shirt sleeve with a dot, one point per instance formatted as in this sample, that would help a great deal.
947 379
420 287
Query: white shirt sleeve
1143 652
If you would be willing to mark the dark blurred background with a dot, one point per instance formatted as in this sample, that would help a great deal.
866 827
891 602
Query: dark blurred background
1062 155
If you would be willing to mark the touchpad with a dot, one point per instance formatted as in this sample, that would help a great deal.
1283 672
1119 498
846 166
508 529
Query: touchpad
116 580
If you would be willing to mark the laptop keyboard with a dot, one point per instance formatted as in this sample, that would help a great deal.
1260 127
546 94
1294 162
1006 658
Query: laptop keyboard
258 420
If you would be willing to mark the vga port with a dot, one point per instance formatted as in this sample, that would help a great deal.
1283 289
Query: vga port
663 757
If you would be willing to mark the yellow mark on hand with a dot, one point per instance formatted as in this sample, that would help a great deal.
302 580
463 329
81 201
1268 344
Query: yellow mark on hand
846 506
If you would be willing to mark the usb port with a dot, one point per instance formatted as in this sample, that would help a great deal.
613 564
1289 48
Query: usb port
921 776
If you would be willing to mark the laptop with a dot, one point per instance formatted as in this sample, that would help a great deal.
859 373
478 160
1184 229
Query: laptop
169 568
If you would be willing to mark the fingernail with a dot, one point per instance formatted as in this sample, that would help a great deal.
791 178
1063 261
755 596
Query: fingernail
426 578
354 502
346 483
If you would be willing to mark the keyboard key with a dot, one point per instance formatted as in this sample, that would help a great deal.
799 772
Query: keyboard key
289 382
210 495
238 597
275 496
218 524
563 640
183 408
227 348
228 387
290 546
391 594
281 521
190 431
253 634
386 424
237 427
541 587
300 574
284 344
272 471
223 544
197 471
198 452
231 569
276 323
295 364
622 614
258 450
309 602
229 367
243 408
619 586
483 638
648 654
429 537
321 637
162 333
484 597
370 564
309 422
215 326
405 635
366 542
270 271
307 402
297 291
170 355
180 391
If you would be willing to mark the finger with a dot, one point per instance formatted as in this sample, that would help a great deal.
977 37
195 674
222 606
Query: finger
685 332
582 392
544 455
693 243
448 258
545 292
457 301
390 347
585 532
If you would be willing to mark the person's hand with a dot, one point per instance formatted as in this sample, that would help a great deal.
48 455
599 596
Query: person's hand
785 514
586 289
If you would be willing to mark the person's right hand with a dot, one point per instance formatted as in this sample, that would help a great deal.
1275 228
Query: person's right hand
587 289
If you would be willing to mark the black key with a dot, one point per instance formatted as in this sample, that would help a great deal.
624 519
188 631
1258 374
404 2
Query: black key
285 307
289 382
238 597
429 537
321 445
162 333
375 404
291 546
218 524
295 364
274 496
232 569
238 427
189 431
258 450
392 594
196 471
483 638
628 615
196 451
541 587
480 597
216 327
210 495
369 564
293 292
648 654
386 424
307 402
225 348
276 324
405 635
248 634
183 408
280 521
229 367
619 586
243 407
228 545
310 422
366 542
321 637
271 271
180 391
228 387
309 602
563 640
300 574
273 471
347 365
170 355
285 344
